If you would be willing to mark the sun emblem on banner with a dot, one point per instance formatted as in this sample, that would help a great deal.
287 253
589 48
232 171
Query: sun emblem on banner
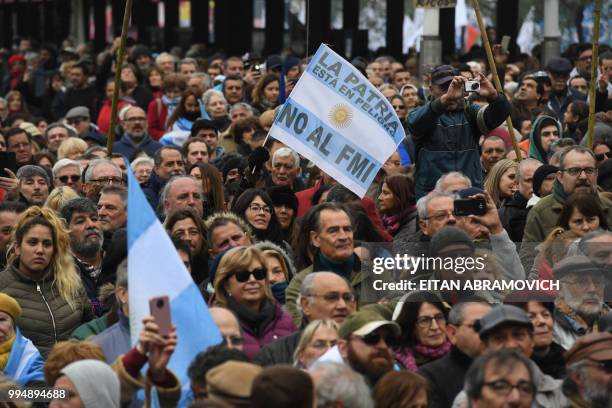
341 115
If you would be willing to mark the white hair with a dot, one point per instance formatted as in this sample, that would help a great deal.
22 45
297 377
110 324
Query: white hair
99 162
443 178
210 93
524 164
424 201
140 160
63 163
286 152
165 54
339 383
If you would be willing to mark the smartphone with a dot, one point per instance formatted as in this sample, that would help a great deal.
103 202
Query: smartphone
8 160
469 206
505 43
160 310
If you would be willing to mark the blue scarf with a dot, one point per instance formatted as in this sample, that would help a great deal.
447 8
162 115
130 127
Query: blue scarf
170 104
278 291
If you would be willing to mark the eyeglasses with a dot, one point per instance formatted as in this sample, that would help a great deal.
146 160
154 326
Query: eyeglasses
504 388
348 297
323 344
257 208
374 338
234 340
136 119
108 180
64 179
585 281
258 274
439 217
576 171
425 322
603 156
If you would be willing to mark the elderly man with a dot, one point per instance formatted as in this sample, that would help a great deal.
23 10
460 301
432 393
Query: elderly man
112 209
452 182
285 169
100 173
366 341
333 246
337 385
229 327
577 174
588 371
86 241
168 162
580 301
181 192
55 134
513 212
33 185
167 62
226 230
67 173
323 295
135 136
79 118
501 379
507 327
446 375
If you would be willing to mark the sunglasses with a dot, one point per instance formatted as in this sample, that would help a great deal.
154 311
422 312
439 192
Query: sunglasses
258 274
374 338
64 179
603 156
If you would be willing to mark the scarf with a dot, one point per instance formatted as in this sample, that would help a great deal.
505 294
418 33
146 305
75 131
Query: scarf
344 269
391 223
578 324
183 123
559 193
170 104
256 321
405 355
278 291
5 351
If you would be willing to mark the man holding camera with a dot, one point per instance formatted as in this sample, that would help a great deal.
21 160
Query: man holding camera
447 129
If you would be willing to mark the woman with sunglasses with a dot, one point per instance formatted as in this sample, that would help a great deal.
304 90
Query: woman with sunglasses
256 207
242 286
422 317
602 152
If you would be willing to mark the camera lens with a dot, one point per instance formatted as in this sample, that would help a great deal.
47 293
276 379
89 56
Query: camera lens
160 303
475 86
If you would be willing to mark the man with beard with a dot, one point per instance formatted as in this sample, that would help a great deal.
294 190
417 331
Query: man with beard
33 185
589 371
580 302
365 344
86 241
135 136
577 174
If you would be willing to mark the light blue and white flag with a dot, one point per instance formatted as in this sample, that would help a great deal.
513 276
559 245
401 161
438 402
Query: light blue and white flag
155 269
339 121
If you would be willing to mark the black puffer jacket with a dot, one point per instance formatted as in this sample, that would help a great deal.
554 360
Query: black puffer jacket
513 215
46 317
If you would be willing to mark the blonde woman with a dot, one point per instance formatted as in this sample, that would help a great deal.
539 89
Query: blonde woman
242 286
318 337
41 276
502 181
60 196
71 148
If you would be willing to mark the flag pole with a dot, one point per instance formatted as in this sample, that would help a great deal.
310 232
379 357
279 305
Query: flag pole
496 82
118 65
594 64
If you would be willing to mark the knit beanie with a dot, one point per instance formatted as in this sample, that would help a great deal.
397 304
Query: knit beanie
283 195
10 306
539 176
96 383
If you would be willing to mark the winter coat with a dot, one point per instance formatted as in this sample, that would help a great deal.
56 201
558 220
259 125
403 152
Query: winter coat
276 325
152 188
280 351
25 364
157 114
448 140
47 318
91 328
513 215
551 362
127 147
445 377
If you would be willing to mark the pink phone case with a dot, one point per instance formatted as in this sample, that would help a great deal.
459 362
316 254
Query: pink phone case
160 310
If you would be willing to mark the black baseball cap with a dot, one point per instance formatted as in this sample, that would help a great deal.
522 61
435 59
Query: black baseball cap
443 74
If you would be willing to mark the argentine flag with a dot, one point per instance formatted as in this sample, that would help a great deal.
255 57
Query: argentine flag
155 269
339 121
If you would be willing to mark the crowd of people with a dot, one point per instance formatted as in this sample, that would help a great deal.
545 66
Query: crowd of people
283 254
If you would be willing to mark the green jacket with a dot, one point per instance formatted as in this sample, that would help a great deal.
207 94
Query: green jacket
91 328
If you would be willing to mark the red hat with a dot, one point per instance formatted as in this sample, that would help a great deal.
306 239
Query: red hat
502 134
15 58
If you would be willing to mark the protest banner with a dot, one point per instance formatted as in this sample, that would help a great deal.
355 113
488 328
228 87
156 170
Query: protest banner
338 120
433 4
